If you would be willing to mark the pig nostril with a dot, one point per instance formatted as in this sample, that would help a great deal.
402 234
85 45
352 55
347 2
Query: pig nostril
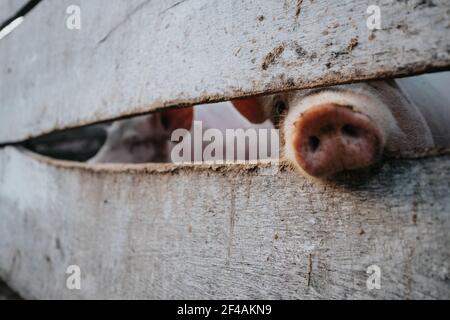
350 130
313 143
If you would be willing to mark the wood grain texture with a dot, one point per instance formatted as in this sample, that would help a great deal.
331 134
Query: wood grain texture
9 8
144 231
136 56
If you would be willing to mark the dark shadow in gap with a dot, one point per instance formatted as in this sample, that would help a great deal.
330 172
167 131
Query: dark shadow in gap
21 13
6 293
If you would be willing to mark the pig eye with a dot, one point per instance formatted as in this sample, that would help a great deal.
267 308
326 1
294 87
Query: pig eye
278 109
280 106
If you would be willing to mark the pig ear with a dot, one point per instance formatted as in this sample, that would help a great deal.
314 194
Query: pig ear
180 118
251 108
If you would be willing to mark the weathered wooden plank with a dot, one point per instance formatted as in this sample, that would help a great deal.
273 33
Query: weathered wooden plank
143 231
136 56
8 8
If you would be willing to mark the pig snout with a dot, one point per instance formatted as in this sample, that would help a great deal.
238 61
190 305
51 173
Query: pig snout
330 138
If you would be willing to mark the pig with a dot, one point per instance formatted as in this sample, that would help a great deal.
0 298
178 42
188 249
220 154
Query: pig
144 138
347 127
147 138
324 131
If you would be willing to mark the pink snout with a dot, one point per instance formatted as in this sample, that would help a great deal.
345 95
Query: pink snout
330 138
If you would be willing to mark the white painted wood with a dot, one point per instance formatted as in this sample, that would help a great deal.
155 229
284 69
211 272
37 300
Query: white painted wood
9 8
145 231
135 56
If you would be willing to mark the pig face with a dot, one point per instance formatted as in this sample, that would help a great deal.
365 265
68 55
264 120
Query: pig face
143 139
346 127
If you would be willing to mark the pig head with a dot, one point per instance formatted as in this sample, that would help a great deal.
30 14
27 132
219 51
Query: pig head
344 127
144 138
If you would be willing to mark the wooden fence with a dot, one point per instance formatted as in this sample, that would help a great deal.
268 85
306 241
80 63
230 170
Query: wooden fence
240 231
